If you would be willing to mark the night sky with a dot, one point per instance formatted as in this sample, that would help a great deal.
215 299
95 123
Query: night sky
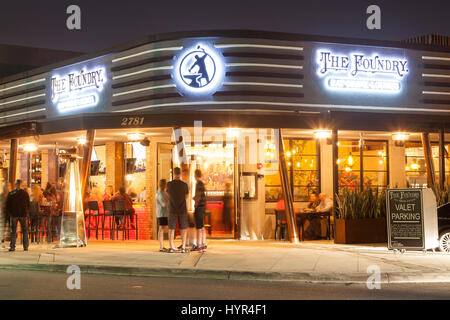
108 23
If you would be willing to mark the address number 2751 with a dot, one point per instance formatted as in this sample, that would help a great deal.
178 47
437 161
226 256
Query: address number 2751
132 121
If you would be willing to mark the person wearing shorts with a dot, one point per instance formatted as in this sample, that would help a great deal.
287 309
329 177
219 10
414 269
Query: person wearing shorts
162 212
199 213
178 192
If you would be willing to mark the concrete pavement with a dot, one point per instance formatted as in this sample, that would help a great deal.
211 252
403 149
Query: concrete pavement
318 261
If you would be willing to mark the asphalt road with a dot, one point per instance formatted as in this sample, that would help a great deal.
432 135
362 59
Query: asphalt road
44 285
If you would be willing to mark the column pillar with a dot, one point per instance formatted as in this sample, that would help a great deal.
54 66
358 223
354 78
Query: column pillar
397 164
114 152
335 156
150 187
86 164
13 161
441 157
287 192
428 159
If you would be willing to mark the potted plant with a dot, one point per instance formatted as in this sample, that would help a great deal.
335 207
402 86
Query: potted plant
361 216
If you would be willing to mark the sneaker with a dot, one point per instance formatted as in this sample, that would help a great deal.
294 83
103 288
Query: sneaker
185 250
172 250
163 250
11 249
180 247
196 248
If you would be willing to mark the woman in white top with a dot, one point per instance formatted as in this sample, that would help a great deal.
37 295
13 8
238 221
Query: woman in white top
162 212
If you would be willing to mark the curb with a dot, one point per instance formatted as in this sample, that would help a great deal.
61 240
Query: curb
305 277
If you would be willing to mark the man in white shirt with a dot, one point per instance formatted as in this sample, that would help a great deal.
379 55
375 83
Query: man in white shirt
325 205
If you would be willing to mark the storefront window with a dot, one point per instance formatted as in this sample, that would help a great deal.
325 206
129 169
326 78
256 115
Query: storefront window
416 172
302 157
135 170
98 169
373 169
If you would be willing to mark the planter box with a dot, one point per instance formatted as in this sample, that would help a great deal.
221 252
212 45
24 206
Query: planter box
361 230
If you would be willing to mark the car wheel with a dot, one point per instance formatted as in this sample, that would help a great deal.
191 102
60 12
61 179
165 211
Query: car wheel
444 241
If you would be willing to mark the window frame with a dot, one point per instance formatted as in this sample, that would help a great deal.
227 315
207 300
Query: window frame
291 168
361 170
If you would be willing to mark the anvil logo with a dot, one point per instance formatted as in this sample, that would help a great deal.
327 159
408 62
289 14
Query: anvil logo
197 68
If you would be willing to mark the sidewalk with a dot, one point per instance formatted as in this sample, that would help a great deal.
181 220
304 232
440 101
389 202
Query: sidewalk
318 261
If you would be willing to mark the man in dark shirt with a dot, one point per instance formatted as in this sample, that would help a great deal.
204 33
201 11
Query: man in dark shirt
178 192
16 208
199 213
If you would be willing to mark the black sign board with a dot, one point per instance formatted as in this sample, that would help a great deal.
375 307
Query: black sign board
405 219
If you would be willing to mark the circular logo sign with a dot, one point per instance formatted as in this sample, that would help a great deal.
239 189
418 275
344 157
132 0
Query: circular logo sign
197 68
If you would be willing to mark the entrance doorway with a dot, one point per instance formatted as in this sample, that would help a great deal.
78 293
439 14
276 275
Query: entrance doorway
217 164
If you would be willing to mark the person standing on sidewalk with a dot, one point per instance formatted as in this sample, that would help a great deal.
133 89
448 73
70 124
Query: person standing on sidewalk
6 188
199 213
178 192
162 208
17 206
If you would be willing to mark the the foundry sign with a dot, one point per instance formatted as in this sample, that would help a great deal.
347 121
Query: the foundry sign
77 89
405 218
361 72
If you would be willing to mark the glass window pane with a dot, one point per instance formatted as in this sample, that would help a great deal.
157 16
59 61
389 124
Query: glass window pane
302 193
349 179
302 161
373 179
273 193
272 178
306 178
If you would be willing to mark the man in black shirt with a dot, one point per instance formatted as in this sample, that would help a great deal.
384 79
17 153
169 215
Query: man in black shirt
178 192
199 213
16 208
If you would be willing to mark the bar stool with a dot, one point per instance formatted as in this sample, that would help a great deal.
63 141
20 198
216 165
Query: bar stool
208 221
120 212
280 227
94 212
108 212
42 227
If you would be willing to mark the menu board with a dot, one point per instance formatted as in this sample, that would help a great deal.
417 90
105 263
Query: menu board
405 219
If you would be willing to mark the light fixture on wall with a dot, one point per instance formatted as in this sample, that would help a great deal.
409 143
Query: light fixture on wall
30 147
145 142
81 140
233 132
322 134
135 136
400 136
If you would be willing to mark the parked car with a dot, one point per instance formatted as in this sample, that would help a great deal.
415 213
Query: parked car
444 227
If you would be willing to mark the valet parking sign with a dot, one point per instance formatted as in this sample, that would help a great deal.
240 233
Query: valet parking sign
405 219
361 72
